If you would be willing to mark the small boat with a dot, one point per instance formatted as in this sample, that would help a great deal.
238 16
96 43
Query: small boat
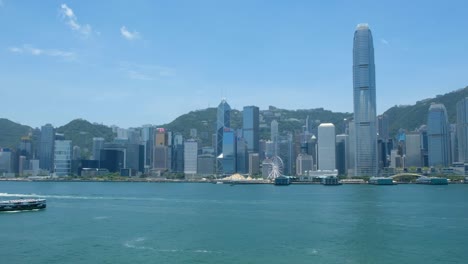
219 182
22 204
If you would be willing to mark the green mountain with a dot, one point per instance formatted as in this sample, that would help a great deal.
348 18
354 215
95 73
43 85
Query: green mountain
413 116
81 133
11 133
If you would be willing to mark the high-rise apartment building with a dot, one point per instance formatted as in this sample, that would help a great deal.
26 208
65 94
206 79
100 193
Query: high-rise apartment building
438 135
364 103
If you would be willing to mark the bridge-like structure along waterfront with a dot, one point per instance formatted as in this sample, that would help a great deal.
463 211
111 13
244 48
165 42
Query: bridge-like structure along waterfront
406 174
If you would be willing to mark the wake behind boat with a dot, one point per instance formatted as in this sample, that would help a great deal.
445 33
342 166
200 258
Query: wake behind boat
22 204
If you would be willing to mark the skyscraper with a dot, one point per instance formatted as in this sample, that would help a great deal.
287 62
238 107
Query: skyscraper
462 129
46 147
250 126
274 134
98 144
438 135
62 157
229 152
364 103
223 122
190 157
326 147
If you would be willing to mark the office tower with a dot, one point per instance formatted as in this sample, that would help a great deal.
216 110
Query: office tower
304 164
383 128
161 157
462 129
326 147
229 153
242 159
251 127
62 157
190 157
147 136
223 122
46 147
286 153
205 164
453 143
364 103
438 135
120 155
76 153
351 151
25 147
424 146
413 150
269 149
274 136
178 153
161 137
341 153
6 161
254 164
98 144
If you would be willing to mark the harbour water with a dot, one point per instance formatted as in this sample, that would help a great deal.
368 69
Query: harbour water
92 222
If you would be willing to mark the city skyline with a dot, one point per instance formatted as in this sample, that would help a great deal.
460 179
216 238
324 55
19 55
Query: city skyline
148 58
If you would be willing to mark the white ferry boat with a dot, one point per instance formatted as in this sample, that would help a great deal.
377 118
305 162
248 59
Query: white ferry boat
22 204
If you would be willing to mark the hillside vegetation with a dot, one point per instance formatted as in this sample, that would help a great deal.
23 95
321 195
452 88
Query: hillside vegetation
11 133
413 116
81 133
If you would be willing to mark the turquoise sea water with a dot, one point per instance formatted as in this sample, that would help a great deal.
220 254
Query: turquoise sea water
90 222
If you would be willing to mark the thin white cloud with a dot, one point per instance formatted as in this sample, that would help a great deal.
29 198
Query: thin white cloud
144 72
129 35
72 21
28 49
384 41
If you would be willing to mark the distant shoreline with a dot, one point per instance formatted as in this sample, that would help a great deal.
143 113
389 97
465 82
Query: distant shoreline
156 180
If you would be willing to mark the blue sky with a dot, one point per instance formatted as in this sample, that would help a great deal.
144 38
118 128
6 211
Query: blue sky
130 63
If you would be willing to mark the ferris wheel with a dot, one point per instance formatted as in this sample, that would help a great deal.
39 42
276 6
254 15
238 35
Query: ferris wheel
275 167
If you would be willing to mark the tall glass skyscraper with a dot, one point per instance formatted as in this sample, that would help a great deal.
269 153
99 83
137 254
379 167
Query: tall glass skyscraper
462 129
46 147
250 126
438 136
223 121
229 152
364 103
